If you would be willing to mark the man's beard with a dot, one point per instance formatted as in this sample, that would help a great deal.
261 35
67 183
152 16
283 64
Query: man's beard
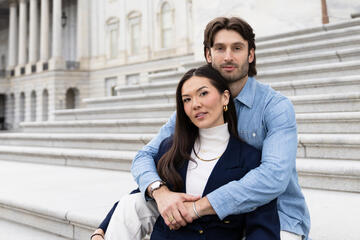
240 73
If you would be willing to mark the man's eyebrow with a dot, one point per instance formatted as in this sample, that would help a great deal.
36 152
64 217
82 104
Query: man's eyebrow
235 43
201 88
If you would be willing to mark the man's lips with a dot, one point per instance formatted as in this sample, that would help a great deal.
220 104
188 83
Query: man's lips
228 67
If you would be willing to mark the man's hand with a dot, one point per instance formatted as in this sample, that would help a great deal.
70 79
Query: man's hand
171 206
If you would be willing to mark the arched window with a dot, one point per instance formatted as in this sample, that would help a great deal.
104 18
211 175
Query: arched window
166 25
3 103
33 106
134 21
45 105
22 107
72 98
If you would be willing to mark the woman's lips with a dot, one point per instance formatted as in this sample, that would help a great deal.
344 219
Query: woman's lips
200 115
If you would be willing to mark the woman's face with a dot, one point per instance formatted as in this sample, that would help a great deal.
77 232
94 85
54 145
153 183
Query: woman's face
203 103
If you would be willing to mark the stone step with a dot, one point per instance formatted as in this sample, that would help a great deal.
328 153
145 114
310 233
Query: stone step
87 158
309 86
311 47
329 146
66 201
341 102
150 125
121 112
133 99
309 38
337 175
163 77
313 86
42 199
336 122
306 31
325 57
117 151
12 230
316 71
116 142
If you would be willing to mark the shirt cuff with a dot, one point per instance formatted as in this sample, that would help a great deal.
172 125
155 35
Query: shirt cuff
146 180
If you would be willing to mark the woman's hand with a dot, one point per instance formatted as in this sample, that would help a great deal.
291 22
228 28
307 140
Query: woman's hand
171 206
98 237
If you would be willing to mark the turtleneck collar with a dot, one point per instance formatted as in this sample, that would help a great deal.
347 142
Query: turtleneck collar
215 135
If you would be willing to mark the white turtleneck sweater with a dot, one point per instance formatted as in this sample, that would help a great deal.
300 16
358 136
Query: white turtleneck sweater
211 143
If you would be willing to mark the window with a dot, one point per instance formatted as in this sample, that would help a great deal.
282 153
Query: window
132 79
110 85
167 24
113 36
72 98
33 106
45 105
135 32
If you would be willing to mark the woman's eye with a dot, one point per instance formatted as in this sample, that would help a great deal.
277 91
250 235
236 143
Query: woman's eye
185 100
203 93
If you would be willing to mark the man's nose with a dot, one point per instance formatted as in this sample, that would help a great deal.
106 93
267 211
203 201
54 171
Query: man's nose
228 55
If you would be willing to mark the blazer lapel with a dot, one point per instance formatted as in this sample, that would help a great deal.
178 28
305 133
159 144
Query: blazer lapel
230 159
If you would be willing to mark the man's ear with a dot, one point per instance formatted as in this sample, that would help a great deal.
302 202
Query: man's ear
251 55
208 55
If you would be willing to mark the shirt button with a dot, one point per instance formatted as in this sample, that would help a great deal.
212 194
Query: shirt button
227 221
254 134
201 231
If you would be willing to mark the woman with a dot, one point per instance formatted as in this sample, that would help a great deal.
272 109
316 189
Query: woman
204 154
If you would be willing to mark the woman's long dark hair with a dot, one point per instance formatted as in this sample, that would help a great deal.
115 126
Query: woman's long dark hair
186 132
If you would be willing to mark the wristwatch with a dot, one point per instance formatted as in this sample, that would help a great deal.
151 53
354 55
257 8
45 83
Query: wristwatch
154 186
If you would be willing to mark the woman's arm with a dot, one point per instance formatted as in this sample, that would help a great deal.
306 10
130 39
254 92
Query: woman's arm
104 224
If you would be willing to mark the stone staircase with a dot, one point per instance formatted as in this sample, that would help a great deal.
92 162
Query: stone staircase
84 155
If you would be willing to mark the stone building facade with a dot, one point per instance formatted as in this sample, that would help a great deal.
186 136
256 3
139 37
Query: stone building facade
56 53
59 52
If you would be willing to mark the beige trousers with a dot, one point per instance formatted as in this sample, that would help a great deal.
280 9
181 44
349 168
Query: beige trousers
134 218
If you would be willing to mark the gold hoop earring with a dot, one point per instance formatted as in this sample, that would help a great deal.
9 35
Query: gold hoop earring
225 108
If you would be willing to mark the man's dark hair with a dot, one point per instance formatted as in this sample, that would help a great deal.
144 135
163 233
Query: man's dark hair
235 24
186 132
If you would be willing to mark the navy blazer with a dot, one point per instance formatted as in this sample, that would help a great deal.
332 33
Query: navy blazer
260 224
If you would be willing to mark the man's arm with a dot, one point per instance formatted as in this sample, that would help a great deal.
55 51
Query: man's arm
143 167
270 179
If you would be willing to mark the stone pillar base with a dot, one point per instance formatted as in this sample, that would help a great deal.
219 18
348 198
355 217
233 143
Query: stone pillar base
57 63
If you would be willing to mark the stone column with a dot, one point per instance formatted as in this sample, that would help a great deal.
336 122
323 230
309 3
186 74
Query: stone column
12 35
44 35
22 33
82 54
57 60
33 41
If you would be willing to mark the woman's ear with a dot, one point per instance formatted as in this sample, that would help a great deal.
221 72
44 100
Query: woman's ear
226 97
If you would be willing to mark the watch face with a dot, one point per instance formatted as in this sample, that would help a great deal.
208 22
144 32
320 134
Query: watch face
155 185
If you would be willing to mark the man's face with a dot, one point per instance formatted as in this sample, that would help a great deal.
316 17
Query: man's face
230 56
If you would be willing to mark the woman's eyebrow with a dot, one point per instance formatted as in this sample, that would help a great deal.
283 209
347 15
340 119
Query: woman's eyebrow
199 89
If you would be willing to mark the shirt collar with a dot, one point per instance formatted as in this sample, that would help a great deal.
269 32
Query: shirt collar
247 94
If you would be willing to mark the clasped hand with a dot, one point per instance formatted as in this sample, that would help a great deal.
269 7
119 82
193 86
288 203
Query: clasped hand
175 208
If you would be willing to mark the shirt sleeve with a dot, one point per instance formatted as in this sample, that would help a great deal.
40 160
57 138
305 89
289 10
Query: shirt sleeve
143 167
266 182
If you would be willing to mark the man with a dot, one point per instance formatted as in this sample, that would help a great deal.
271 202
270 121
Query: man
266 120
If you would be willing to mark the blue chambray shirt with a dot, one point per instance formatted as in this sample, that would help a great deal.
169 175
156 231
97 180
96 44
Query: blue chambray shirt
266 120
